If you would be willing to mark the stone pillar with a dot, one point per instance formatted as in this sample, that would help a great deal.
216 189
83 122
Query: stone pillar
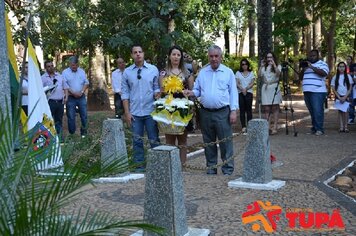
164 193
5 98
257 163
113 144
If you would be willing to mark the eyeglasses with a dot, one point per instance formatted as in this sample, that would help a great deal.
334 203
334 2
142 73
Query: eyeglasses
139 74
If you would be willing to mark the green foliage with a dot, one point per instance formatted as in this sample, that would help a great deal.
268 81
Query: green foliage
234 63
31 203
346 30
78 26
289 18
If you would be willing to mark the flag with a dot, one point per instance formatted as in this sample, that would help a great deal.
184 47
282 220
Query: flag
14 73
40 122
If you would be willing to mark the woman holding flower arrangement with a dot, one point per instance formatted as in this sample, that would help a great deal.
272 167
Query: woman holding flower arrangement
175 69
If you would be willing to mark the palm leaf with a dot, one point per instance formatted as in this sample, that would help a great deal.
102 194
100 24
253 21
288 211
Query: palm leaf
30 204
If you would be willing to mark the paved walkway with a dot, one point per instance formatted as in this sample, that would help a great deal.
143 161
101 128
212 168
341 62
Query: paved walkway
308 161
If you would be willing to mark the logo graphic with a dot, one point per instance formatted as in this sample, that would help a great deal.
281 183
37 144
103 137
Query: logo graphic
254 214
298 219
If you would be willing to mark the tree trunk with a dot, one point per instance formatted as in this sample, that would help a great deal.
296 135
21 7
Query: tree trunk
296 63
329 35
308 37
108 69
227 40
5 101
317 34
242 38
264 21
252 27
98 98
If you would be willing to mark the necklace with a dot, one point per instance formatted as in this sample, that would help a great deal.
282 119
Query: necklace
176 74
245 74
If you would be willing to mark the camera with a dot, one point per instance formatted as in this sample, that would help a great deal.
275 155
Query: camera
284 64
303 63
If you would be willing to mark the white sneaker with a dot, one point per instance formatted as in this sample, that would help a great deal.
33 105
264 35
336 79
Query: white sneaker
244 131
319 133
351 122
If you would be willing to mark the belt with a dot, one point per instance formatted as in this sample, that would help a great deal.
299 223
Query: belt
54 100
214 109
71 96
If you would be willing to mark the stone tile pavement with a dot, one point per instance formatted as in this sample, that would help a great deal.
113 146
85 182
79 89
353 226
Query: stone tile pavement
308 161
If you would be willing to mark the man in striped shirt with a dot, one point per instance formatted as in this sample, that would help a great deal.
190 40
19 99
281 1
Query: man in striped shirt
314 88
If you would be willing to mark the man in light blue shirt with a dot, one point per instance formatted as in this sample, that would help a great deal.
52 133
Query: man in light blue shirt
216 87
139 90
75 83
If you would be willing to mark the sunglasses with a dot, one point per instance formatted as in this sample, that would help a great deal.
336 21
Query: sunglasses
139 74
244 64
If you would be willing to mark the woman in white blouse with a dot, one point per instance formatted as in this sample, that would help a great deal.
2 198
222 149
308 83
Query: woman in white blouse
245 80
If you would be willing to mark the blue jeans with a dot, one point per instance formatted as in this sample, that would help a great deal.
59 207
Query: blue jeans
81 103
138 126
315 105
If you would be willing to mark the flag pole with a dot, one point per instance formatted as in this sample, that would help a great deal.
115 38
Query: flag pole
19 95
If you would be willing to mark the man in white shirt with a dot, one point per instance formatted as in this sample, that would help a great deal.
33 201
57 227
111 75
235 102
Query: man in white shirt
116 79
57 97
216 87
314 74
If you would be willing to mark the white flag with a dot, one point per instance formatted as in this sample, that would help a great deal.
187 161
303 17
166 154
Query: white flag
40 122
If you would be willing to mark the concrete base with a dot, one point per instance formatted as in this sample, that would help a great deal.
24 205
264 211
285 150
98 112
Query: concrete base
119 179
273 185
191 232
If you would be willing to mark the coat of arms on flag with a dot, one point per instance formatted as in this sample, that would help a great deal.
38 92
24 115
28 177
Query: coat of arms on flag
43 134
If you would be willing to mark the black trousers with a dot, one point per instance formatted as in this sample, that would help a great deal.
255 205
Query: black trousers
119 108
245 103
57 110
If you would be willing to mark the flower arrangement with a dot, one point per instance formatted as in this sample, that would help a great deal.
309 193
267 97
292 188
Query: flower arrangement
172 114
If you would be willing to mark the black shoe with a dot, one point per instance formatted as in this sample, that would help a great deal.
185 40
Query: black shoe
139 170
212 172
228 173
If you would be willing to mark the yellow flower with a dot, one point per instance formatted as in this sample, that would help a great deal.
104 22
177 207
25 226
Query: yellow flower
172 84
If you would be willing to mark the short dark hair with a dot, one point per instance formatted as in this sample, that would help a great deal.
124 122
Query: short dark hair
316 51
46 62
73 59
136 45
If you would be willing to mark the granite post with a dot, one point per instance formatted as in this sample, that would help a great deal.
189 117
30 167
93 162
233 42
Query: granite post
164 194
257 163
5 101
113 144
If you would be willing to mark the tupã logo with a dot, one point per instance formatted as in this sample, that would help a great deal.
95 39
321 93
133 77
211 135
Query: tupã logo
255 216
